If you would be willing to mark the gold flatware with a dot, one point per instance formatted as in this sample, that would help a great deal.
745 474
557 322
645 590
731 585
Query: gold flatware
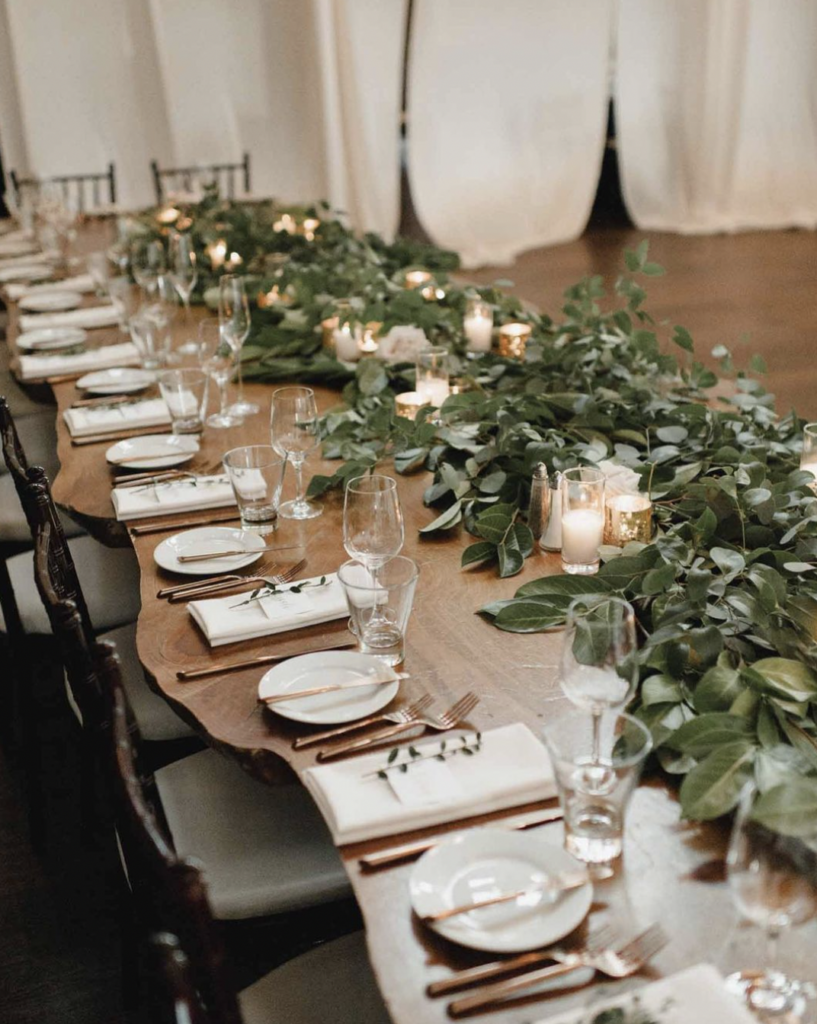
269 566
158 475
215 554
448 719
563 882
406 714
471 977
615 963
315 691
181 524
216 589
408 851
187 675
103 401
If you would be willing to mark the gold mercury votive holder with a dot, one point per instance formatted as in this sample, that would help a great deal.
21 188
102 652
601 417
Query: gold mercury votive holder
408 404
513 340
627 517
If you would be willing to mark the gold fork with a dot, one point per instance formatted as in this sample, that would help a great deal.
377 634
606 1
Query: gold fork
401 715
225 588
270 566
615 963
439 723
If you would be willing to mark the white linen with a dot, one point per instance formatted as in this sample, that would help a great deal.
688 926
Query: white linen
507 112
224 623
715 114
185 496
511 769
54 365
92 316
82 283
23 271
152 412
693 996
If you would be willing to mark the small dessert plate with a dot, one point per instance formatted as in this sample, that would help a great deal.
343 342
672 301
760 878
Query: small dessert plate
50 302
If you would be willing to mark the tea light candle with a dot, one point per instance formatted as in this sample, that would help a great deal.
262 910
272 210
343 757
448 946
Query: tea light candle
627 517
513 339
433 391
408 404
417 278
478 325
582 532
368 344
310 226
432 292
234 261
217 251
286 223
169 215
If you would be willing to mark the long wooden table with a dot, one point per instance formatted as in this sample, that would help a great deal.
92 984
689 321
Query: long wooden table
671 870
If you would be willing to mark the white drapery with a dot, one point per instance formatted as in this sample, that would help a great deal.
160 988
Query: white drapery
507 116
716 113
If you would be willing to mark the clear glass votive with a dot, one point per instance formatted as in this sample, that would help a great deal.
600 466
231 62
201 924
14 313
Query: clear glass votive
582 519
380 602
185 394
146 336
808 457
256 474
595 802
433 385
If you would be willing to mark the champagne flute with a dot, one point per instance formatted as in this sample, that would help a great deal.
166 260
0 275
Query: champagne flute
217 359
234 315
773 884
373 530
599 669
147 263
294 433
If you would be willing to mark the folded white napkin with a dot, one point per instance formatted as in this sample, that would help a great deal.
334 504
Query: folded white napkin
12 234
186 495
16 270
222 622
82 283
510 769
53 365
152 412
693 996
91 316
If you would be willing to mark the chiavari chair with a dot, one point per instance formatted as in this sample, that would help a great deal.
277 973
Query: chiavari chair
86 191
232 178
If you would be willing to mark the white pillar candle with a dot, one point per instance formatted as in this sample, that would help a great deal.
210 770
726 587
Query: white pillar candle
346 347
478 331
433 391
582 531
809 464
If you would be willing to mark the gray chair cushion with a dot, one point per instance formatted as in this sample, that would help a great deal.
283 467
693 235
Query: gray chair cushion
13 525
333 982
265 849
109 578
38 436
19 401
156 719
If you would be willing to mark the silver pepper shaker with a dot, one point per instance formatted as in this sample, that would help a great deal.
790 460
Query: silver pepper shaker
539 502
551 539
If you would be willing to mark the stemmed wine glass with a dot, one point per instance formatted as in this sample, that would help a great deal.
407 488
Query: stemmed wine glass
599 670
184 274
294 433
234 316
373 530
217 359
162 311
147 263
773 883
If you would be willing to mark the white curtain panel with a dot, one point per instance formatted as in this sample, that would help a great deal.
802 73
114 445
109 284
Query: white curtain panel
716 105
507 115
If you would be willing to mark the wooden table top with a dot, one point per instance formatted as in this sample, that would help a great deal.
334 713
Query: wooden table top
671 871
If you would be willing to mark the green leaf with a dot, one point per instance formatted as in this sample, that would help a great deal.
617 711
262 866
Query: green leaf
790 809
729 562
526 617
713 787
706 733
787 678
672 435
563 586
683 339
482 551
717 689
661 689
493 523
446 520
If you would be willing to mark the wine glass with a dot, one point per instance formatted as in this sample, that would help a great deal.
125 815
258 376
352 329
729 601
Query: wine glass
774 885
373 531
217 359
147 263
599 669
294 433
162 311
234 315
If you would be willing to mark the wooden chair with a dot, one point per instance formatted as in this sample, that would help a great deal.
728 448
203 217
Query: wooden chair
171 896
187 179
86 190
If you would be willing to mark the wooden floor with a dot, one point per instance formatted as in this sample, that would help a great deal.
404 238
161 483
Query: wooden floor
58 920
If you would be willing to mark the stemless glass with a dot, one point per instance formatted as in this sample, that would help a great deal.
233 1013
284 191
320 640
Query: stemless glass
808 457
234 315
774 885
147 263
599 669
124 298
183 274
294 433
145 337
217 358
99 267
185 395
257 475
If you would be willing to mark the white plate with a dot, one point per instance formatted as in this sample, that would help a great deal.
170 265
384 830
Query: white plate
486 862
16 247
30 272
45 338
119 380
179 448
205 539
51 302
327 668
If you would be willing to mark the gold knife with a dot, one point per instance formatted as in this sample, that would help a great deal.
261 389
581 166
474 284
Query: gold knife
187 675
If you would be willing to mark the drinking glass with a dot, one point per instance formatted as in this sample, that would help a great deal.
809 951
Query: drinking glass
185 394
294 433
773 884
257 475
124 298
183 270
594 802
433 376
234 315
147 263
599 667
380 607
582 519
146 339
373 530
99 267
162 310
808 457
217 359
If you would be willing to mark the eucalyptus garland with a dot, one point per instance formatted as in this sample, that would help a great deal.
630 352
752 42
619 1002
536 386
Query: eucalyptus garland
725 595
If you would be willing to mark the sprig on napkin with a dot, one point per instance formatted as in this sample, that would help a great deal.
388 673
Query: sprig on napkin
275 590
467 747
